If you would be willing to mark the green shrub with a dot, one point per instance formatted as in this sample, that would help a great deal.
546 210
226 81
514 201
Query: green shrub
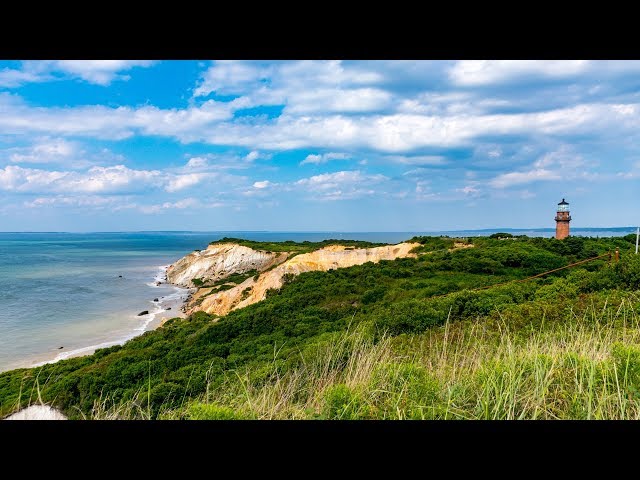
627 362
407 391
374 295
342 403
205 411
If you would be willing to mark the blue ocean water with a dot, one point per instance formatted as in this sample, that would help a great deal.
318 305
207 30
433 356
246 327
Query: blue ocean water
65 290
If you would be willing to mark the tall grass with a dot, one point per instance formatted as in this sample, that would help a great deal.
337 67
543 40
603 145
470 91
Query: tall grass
584 364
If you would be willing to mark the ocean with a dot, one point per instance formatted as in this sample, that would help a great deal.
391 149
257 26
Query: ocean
64 294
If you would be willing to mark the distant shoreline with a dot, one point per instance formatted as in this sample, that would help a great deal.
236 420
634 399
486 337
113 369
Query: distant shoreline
342 232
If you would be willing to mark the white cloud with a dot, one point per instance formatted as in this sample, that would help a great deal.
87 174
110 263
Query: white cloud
118 178
254 155
561 164
93 201
180 205
341 185
337 100
263 184
327 72
197 163
302 86
219 162
111 123
230 77
324 158
212 122
450 103
181 182
48 150
486 72
11 78
518 178
99 72
417 159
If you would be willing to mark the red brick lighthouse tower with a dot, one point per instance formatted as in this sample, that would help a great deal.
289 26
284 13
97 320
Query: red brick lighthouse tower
562 220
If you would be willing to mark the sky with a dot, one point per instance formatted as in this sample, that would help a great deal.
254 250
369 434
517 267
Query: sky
123 145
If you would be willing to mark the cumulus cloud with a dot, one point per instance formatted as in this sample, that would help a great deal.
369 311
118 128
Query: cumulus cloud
158 208
519 178
230 77
111 123
341 185
46 150
118 178
61 152
11 78
417 159
100 72
485 72
303 86
254 155
263 184
213 122
181 182
197 163
93 201
562 164
324 158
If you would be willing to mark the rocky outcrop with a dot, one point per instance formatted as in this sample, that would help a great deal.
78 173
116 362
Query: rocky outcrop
219 261
331 257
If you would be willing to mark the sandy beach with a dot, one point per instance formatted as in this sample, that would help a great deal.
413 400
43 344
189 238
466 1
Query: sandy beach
167 306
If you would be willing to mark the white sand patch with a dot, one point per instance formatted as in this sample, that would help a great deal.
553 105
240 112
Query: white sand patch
37 412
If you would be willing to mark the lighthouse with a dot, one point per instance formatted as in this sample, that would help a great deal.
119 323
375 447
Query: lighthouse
562 220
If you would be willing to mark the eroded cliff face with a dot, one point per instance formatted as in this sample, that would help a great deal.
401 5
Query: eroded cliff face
219 261
331 257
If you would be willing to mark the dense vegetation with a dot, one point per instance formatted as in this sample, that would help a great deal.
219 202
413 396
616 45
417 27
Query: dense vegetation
409 338
296 247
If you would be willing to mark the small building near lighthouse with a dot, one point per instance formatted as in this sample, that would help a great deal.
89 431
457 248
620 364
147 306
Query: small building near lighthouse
562 220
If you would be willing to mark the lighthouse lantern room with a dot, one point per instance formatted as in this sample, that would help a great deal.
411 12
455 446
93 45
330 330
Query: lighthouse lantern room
562 220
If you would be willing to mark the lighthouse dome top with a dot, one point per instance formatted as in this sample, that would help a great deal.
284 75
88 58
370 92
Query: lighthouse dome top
563 206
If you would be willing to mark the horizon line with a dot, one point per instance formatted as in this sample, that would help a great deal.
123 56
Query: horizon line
318 231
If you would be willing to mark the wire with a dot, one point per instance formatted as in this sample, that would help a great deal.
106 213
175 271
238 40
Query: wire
531 277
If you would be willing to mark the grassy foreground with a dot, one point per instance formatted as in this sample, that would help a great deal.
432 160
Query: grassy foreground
585 365
399 339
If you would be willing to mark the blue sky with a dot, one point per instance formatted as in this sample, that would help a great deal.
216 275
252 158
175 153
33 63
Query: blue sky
317 145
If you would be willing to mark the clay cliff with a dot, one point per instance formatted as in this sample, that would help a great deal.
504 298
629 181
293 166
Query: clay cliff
219 261
216 263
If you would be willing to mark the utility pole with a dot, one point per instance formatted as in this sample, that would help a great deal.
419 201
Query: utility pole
637 238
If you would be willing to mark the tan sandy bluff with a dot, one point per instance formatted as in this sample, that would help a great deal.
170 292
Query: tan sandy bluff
221 260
